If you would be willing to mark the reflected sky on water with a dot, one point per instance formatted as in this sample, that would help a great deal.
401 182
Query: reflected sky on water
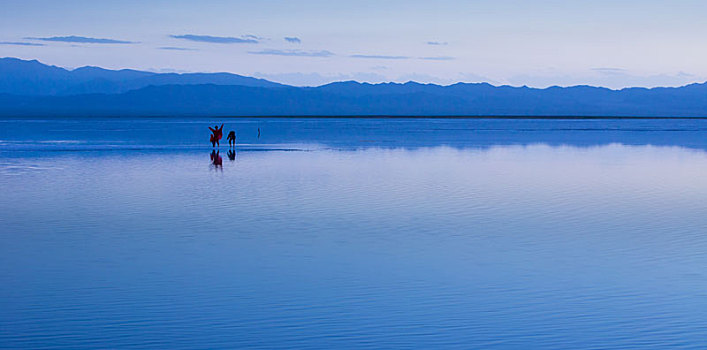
426 244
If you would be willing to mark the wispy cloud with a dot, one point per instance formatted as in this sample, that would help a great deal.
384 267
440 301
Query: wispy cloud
380 57
245 39
609 71
18 43
300 53
82 39
254 37
437 58
293 39
173 48
437 43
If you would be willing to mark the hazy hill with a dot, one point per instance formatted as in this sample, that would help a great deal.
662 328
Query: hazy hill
460 99
20 77
33 89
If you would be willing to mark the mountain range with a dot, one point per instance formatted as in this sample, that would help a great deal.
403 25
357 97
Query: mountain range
30 88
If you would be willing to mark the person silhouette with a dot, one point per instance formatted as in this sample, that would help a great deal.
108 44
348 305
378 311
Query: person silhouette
258 132
231 155
231 138
216 135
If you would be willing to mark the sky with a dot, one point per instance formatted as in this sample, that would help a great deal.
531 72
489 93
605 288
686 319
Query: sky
539 43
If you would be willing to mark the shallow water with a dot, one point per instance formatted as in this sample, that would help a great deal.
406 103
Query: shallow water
346 233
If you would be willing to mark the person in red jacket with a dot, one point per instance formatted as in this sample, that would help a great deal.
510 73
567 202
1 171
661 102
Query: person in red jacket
216 159
216 135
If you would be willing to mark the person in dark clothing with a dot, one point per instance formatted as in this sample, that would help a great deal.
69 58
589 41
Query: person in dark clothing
258 132
231 155
231 138
216 135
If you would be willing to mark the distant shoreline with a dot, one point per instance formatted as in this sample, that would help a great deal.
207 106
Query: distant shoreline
355 117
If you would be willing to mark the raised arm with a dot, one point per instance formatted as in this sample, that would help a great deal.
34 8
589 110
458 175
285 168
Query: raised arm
212 129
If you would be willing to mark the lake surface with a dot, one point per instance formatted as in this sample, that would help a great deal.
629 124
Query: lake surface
354 233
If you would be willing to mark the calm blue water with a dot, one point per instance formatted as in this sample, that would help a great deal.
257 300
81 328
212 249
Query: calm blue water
346 233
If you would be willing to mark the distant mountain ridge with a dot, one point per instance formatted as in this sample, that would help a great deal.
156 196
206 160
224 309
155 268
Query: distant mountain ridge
93 91
20 77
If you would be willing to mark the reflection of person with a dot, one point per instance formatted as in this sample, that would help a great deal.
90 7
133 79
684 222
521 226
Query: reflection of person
231 138
231 155
216 159
216 135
